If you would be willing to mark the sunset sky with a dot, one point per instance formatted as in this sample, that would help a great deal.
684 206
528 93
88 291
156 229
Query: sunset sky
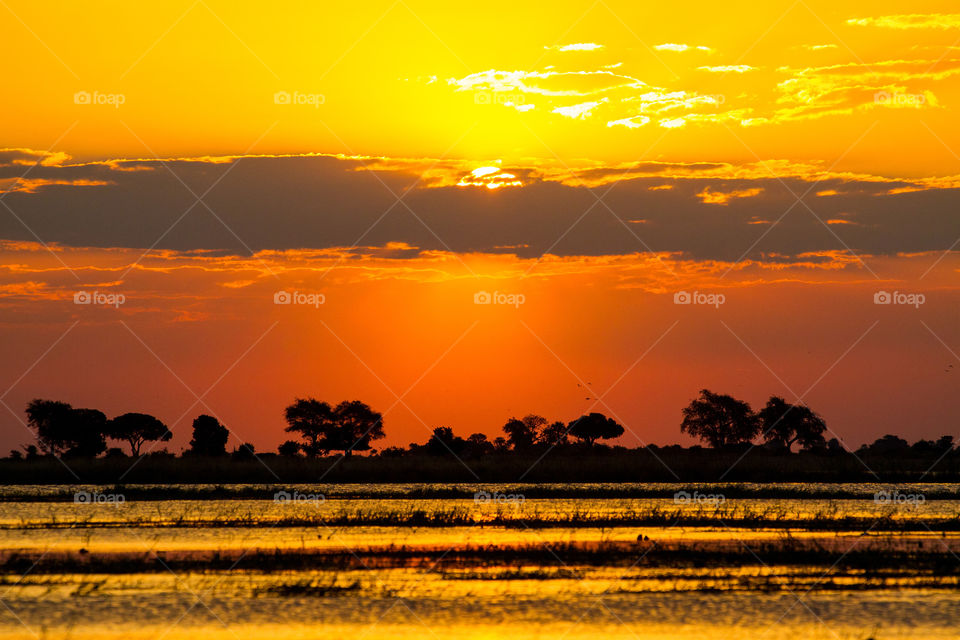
169 173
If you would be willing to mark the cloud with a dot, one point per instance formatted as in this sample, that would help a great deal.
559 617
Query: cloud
911 21
671 46
842 89
729 68
633 122
546 83
581 110
719 197
617 99
580 46
326 206
767 97
25 158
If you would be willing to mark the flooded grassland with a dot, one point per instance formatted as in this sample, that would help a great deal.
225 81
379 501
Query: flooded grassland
463 561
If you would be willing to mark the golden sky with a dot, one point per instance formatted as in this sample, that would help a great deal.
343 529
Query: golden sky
399 158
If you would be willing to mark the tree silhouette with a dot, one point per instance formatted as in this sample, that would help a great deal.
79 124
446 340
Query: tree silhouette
594 426
522 433
555 434
945 444
348 427
443 442
313 420
786 423
90 440
64 431
478 445
50 421
356 426
137 428
209 437
720 420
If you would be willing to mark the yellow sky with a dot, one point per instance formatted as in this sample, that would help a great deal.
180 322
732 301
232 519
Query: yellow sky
717 81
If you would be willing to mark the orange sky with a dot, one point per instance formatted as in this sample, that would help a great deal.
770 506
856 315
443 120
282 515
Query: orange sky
196 159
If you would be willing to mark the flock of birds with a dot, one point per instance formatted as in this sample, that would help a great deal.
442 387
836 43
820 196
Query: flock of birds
581 386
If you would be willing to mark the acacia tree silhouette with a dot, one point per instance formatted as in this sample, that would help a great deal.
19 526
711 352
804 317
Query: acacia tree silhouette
594 426
135 429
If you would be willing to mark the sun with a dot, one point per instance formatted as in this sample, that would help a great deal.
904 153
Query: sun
490 177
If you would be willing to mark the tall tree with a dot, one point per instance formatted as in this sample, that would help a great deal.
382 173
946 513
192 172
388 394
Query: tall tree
594 426
348 427
356 426
786 423
720 420
50 421
444 442
313 420
555 434
137 428
522 433
209 437
62 430
89 439
478 445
